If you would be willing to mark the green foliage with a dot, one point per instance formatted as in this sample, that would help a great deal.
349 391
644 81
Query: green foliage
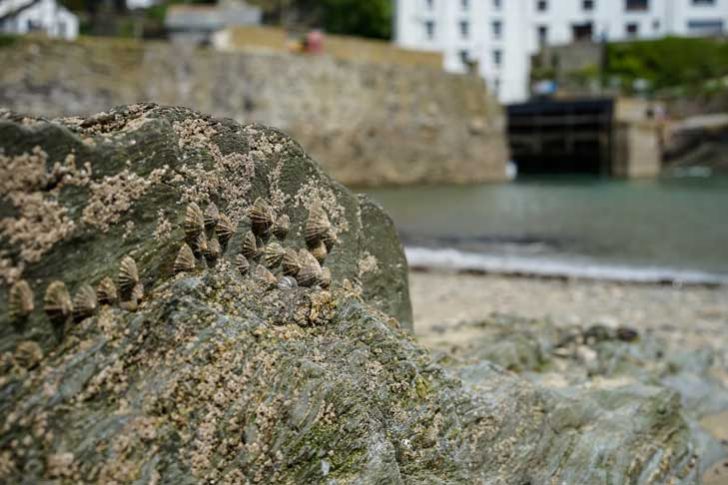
669 62
7 40
371 18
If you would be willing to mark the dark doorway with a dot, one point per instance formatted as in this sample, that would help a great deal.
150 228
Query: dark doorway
553 136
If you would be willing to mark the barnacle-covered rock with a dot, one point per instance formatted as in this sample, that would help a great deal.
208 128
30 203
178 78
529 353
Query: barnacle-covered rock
57 303
185 260
225 230
242 264
106 292
211 217
84 303
128 277
20 301
249 246
194 222
317 225
290 264
273 255
261 217
281 227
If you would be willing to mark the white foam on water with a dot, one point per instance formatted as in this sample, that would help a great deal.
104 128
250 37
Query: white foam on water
453 259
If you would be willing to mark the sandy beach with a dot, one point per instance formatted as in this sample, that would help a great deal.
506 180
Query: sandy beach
443 301
449 309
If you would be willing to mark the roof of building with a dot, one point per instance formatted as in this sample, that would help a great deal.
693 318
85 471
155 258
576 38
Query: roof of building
209 18
11 8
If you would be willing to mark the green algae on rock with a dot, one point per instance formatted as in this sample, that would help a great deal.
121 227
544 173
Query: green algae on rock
221 376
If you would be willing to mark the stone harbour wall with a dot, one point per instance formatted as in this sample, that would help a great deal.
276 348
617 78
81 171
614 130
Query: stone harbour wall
366 124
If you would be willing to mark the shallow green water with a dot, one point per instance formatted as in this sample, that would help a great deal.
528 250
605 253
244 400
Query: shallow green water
678 223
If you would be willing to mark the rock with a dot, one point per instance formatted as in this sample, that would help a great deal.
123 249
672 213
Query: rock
212 376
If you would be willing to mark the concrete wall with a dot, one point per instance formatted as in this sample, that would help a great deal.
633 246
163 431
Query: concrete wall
639 151
367 124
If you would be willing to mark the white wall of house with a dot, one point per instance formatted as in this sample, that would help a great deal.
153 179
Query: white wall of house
24 16
133 4
503 34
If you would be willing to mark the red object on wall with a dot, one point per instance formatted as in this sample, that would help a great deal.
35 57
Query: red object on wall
315 42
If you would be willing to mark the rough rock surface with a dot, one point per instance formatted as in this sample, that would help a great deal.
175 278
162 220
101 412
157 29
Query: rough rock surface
220 377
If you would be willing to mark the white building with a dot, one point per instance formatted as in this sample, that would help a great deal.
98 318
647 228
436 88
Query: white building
501 35
24 16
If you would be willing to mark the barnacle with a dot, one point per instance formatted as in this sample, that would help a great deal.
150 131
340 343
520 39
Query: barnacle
28 354
128 277
84 303
213 250
211 217
261 217
250 246
242 264
224 229
287 282
194 222
281 227
185 260
20 301
273 254
317 225
325 280
310 273
199 244
290 263
57 303
330 240
264 276
106 292
319 251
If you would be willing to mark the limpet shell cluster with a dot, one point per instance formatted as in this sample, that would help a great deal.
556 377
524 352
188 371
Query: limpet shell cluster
207 233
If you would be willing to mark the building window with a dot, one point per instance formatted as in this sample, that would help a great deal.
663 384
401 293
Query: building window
632 30
587 5
637 5
465 4
703 2
464 29
497 57
430 4
464 57
581 32
430 29
496 86
656 25
542 5
496 4
705 27
543 35
497 27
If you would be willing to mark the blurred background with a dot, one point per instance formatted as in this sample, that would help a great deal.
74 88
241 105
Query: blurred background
579 138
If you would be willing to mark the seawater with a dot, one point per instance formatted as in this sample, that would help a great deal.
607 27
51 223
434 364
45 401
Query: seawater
669 229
